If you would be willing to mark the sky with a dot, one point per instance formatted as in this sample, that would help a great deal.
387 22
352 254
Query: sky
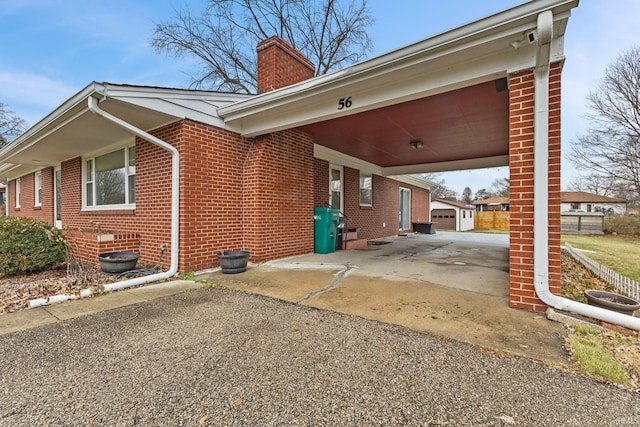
51 49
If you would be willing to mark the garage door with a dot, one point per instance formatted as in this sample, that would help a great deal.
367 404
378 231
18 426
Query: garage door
445 219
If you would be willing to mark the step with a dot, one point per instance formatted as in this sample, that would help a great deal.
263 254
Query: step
351 235
354 244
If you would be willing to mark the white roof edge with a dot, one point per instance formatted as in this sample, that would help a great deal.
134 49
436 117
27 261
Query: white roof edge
338 158
114 90
455 205
49 118
109 90
412 180
529 9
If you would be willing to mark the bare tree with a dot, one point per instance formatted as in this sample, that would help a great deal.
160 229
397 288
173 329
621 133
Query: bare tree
437 187
223 38
467 195
611 146
594 183
482 194
11 126
501 187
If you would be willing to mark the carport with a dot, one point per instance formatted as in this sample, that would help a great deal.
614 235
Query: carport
462 99
481 95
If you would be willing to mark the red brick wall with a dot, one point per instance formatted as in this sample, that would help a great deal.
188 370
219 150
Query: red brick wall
211 194
521 162
321 182
280 65
28 199
279 196
381 219
88 244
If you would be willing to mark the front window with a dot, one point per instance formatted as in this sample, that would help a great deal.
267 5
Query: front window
575 205
366 190
109 179
38 188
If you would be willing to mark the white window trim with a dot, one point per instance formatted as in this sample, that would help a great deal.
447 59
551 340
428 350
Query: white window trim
360 188
37 190
92 157
18 193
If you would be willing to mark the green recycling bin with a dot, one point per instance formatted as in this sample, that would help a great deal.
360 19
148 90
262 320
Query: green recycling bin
325 226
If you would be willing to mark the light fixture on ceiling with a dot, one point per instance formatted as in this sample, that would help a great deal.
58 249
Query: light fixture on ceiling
416 144
516 44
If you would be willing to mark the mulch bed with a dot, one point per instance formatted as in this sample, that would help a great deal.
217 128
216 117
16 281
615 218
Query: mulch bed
17 290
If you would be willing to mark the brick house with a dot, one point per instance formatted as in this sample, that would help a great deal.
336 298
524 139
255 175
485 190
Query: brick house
581 201
136 168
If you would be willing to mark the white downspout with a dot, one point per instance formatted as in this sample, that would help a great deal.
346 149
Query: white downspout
541 188
175 203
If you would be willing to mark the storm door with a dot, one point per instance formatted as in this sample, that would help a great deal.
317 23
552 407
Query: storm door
405 209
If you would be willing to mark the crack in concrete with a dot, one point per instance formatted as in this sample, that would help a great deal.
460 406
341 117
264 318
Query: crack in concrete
337 279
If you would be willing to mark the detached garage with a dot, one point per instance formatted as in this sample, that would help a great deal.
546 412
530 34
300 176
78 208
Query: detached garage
451 216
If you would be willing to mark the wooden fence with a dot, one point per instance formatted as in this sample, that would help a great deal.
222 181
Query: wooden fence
492 220
582 222
623 284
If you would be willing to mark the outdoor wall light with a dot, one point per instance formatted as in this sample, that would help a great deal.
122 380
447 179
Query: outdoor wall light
416 144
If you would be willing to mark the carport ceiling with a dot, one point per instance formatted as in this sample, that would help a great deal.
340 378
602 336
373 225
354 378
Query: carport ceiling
467 123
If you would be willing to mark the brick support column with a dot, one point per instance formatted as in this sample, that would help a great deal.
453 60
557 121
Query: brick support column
521 164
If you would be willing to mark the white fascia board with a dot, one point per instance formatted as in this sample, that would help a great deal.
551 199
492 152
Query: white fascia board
480 163
341 159
335 157
378 81
413 180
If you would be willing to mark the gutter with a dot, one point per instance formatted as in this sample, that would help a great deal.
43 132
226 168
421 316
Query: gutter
175 203
541 188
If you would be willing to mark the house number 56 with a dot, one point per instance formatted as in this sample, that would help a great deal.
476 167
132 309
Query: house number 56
344 103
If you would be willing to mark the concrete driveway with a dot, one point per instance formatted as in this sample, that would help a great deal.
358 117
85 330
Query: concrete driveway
448 284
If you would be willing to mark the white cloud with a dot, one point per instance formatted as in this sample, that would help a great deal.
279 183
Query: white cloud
32 96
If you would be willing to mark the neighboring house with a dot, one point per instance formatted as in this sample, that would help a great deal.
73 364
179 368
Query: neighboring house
125 167
500 204
451 215
580 201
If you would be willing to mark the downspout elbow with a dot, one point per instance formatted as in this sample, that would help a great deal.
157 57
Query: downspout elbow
175 195
541 188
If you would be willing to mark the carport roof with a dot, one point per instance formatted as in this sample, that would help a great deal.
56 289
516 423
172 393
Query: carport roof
447 91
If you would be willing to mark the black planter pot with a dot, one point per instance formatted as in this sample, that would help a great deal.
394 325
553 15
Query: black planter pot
233 262
118 262
612 301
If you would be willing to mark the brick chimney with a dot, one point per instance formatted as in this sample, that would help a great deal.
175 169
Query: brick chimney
280 65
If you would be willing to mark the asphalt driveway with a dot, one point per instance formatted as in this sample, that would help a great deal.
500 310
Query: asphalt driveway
227 358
